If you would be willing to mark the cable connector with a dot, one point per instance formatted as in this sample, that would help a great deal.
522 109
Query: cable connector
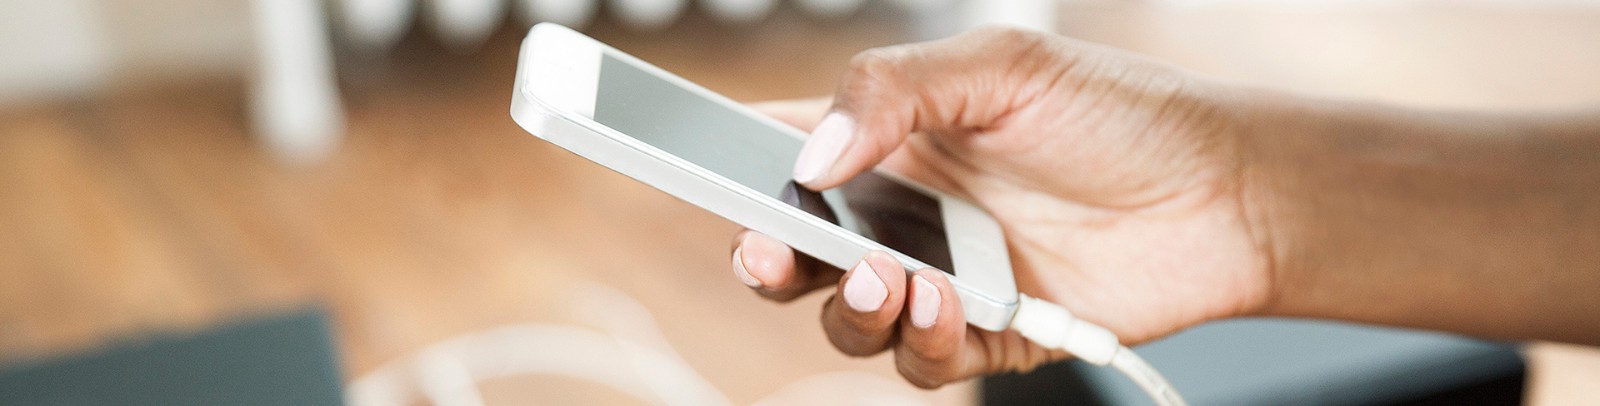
1052 326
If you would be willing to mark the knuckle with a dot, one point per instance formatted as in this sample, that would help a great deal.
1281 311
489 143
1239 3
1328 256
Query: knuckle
852 344
936 353
916 376
876 69
876 61
1011 42
921 383
1009 351
779 294
850 336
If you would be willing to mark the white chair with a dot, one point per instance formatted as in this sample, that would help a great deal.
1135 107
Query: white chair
295 100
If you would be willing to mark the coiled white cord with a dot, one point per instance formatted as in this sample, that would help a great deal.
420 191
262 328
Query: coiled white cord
614 342
1053 326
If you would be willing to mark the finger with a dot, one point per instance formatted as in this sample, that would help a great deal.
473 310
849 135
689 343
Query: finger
774 270
860 318
800 113
941 87
934 348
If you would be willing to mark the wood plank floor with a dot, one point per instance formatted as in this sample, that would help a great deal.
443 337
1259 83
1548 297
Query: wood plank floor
152 209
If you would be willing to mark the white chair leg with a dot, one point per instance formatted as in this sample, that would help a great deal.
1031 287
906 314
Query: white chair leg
1031 14
295 100
464 24
739 11
375 25
830 8
571 13
648 14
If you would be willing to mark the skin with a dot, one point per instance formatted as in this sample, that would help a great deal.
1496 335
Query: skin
1148 199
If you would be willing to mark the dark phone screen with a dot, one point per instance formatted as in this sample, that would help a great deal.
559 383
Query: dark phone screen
745 150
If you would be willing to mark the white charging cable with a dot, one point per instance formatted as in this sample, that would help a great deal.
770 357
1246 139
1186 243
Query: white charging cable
1051 326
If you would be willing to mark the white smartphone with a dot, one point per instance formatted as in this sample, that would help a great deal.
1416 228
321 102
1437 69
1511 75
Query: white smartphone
657 128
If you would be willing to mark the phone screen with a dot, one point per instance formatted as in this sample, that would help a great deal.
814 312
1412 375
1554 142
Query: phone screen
754 154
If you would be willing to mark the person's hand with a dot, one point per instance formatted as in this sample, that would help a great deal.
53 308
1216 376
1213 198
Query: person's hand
1116 180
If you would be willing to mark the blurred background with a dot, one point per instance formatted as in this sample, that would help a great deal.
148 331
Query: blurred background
334 189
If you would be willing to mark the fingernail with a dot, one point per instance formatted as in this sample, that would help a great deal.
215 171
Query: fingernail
864 291
827 143
744 275
925 303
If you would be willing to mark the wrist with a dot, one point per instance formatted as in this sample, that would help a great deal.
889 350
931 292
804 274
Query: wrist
1421 218
1273 132
1331 187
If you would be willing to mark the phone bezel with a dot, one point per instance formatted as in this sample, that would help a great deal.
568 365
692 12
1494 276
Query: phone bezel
554 98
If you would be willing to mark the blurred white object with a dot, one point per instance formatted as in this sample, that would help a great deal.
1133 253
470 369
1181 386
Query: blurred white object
295 99
619 345
830 8
933 20
739 11
296 105
376 24
50 49
623 350
464 24
1031 14
648 14
936 5
571 13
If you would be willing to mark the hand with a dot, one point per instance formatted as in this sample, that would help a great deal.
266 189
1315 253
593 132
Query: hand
1116 180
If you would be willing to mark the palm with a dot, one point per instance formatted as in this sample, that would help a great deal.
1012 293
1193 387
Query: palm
1144 240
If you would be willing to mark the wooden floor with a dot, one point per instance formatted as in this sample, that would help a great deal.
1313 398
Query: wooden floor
151 209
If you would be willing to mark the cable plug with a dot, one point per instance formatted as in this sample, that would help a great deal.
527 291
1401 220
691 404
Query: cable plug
1052 326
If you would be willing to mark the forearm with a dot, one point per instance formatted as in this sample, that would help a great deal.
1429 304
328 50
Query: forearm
1487 225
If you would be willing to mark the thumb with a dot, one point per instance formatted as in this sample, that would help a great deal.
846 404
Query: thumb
961 83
